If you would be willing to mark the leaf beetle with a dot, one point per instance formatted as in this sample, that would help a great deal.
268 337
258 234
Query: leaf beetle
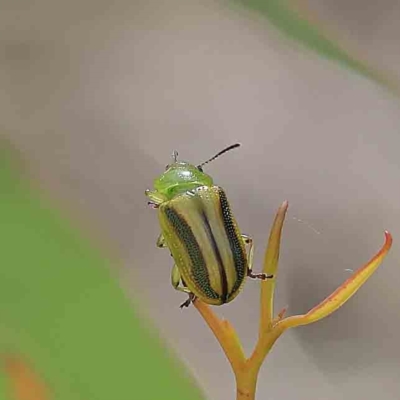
200 231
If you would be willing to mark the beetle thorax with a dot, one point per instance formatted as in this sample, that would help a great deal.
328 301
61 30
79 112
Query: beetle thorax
179 178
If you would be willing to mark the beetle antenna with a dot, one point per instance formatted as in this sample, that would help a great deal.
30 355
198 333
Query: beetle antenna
175 156
231 147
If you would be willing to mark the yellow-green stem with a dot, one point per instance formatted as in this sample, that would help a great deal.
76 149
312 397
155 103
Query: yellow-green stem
246 382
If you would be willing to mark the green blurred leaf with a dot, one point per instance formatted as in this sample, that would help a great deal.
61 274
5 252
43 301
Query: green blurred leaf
61 309
284 16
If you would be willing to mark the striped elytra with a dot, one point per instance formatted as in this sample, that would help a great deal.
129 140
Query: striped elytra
205 242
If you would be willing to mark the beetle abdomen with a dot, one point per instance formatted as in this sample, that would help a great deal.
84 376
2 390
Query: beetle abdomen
205 242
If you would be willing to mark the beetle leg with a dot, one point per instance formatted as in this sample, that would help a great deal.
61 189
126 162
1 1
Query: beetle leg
248 240
188 301
176 279
161 241
155 198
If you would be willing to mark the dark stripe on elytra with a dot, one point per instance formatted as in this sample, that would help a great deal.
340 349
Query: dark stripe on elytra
217 253
239 257
187 238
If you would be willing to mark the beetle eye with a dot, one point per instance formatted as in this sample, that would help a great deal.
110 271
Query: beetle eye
200 168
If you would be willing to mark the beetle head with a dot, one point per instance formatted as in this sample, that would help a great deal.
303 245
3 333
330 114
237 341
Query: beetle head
180 177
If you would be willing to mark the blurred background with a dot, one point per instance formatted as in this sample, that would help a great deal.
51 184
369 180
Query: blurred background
96 96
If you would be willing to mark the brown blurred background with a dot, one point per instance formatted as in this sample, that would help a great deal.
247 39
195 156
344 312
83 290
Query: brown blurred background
96 95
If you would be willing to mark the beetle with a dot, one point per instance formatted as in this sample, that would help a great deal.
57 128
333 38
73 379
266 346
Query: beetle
201 233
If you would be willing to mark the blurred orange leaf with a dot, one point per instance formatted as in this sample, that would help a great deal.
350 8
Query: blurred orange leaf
25 383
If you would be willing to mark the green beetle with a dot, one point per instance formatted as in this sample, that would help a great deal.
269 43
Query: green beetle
197 226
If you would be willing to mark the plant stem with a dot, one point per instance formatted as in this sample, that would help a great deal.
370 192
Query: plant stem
246 382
